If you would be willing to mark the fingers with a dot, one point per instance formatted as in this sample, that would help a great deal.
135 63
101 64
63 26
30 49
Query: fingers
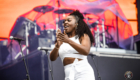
65 32
59 30
60 35
60 39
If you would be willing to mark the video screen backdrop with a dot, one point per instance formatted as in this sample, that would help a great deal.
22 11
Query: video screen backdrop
42 17
10 10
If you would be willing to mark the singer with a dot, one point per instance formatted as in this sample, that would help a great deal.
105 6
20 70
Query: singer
73 46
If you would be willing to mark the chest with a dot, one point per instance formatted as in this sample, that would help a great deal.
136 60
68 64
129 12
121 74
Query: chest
65 48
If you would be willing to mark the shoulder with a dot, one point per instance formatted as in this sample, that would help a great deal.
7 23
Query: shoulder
84 37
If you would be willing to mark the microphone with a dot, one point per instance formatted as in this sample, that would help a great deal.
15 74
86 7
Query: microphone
15 38
44 48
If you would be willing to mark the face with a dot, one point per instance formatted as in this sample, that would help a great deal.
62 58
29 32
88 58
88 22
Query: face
69 24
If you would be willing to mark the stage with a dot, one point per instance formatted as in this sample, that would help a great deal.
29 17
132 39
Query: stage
111 65
34 24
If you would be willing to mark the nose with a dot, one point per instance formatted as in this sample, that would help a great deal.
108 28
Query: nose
64 23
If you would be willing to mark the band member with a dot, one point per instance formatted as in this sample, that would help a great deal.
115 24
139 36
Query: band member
73 46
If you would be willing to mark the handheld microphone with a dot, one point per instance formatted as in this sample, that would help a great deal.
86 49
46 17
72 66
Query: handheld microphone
15 38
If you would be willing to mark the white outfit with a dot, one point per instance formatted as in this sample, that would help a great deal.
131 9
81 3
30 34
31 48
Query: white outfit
78 70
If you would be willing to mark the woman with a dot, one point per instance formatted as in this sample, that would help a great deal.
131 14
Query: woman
73 47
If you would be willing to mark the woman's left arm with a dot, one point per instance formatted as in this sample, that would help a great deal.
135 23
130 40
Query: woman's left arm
82 48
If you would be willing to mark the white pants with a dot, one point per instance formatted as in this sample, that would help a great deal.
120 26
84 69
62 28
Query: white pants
79 70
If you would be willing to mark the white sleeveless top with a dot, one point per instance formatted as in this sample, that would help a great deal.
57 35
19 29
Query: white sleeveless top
67 50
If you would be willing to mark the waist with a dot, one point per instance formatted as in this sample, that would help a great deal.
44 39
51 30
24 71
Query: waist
78 56
69 60
77 62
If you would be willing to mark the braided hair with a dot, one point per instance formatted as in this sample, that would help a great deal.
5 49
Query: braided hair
82 27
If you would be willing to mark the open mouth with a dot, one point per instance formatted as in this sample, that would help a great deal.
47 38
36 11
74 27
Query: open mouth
66 26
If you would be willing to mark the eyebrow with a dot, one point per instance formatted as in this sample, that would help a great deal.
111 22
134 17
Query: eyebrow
68 18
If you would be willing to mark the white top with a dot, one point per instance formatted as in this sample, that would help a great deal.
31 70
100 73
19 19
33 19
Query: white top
67 50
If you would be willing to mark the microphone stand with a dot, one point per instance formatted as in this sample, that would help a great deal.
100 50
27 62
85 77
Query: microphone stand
46 50
49 64
27 72
97 69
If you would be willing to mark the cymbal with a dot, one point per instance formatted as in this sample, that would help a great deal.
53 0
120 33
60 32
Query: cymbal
95 10
94 25
43 9
86 13
61 11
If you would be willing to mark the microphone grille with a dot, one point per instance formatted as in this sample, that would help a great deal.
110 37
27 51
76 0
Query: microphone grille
39 48
11 37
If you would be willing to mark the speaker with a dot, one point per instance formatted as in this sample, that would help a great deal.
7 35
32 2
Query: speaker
111 68
16 69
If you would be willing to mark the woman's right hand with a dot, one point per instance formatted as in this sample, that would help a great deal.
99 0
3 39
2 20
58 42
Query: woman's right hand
54 52
58 43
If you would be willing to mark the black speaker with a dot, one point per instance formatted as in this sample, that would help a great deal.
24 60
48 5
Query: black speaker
111 68
3 54
16 69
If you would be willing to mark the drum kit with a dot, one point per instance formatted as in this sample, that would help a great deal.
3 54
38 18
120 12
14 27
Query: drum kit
45 9
47 30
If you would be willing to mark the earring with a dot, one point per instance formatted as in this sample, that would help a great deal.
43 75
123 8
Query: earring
75 28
